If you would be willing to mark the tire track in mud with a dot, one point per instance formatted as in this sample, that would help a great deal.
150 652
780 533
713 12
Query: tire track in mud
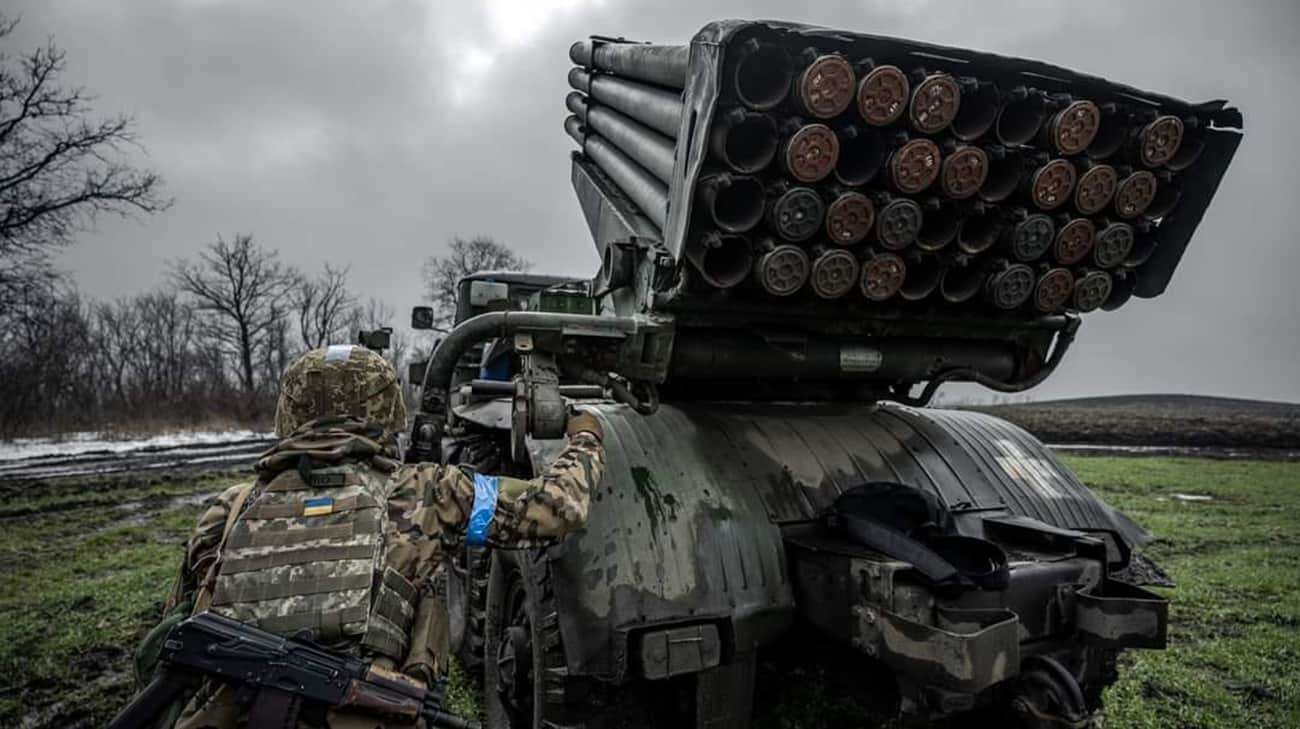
199 456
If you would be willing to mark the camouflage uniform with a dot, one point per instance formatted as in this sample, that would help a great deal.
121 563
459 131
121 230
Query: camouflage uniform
426 509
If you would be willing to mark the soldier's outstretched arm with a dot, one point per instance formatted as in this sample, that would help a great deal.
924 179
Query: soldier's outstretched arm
507 512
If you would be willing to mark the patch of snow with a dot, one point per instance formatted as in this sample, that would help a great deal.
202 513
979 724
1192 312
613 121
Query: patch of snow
92 442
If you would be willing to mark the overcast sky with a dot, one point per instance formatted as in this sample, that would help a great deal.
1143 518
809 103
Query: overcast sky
369 133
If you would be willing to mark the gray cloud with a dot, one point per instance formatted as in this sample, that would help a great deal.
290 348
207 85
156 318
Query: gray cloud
368 133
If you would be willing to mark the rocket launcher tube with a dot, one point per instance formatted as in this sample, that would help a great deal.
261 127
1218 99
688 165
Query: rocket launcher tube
722 259
663 65
651 150
649 194
652 106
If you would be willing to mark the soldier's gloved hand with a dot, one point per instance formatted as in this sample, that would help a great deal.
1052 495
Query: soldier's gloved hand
584 422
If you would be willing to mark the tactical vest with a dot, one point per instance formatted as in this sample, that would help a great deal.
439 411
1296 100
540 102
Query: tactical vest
308 554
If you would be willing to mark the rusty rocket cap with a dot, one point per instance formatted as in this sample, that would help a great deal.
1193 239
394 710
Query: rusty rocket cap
1074 241
1095 189
963 172
915 166
1052 292
811 153
1072 129
825 88
1135 194
882 95
1051 185
882 276
1159 141
849 218
935 103
898 223
834 273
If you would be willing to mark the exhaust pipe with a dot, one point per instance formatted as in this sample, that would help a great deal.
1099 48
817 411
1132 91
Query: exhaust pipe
734 202
834 272
644 189
882 95
1010 286
979 231
810 153
745 141
1053 289
1091 290
652 106
723 260
898 221
1029 236
1074 240
662 65
651 150
883 275
940 225
1110 132
780 269
963 172
1006 167
794 213
1123 284
1114 244
849 218
1069 131
1021 116
1095 188
923 275
961 283
1134 194
1159 141
936 99
914 166
862 154
978 112
1051 185
762 75
824 88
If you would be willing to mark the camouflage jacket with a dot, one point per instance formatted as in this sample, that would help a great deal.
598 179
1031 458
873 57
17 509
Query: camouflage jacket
430 508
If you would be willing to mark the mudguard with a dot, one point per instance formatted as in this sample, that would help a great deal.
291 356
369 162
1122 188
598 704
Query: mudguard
685 527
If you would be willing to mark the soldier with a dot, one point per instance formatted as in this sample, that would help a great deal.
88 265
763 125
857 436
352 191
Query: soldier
337 540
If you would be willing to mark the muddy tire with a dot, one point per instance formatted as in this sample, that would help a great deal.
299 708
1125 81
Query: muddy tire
526 682
467 580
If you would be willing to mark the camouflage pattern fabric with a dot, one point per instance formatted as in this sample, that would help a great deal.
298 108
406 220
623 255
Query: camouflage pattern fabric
341 379
427 509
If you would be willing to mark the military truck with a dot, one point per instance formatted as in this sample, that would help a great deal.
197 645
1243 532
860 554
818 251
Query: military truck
803 234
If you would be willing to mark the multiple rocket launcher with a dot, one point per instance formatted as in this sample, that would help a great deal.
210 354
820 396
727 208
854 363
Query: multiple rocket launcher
858 177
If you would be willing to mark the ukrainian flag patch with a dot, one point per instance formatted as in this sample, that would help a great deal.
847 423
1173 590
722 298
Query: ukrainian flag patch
318 507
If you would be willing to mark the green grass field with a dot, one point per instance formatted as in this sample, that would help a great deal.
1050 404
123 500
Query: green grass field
83 570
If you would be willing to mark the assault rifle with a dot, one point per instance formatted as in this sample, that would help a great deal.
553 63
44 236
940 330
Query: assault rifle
284 674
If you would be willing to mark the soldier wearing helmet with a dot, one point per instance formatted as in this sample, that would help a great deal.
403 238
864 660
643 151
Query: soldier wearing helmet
337 540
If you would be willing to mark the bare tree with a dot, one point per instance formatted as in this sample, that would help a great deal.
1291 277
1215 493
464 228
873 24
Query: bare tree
244 289
59 166
464 257
323 305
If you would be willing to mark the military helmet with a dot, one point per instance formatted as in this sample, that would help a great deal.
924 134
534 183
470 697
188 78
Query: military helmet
341 379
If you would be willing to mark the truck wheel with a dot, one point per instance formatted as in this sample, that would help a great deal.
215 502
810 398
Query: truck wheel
524 667
467 579
526 683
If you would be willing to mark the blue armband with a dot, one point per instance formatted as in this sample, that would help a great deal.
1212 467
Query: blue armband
485 507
